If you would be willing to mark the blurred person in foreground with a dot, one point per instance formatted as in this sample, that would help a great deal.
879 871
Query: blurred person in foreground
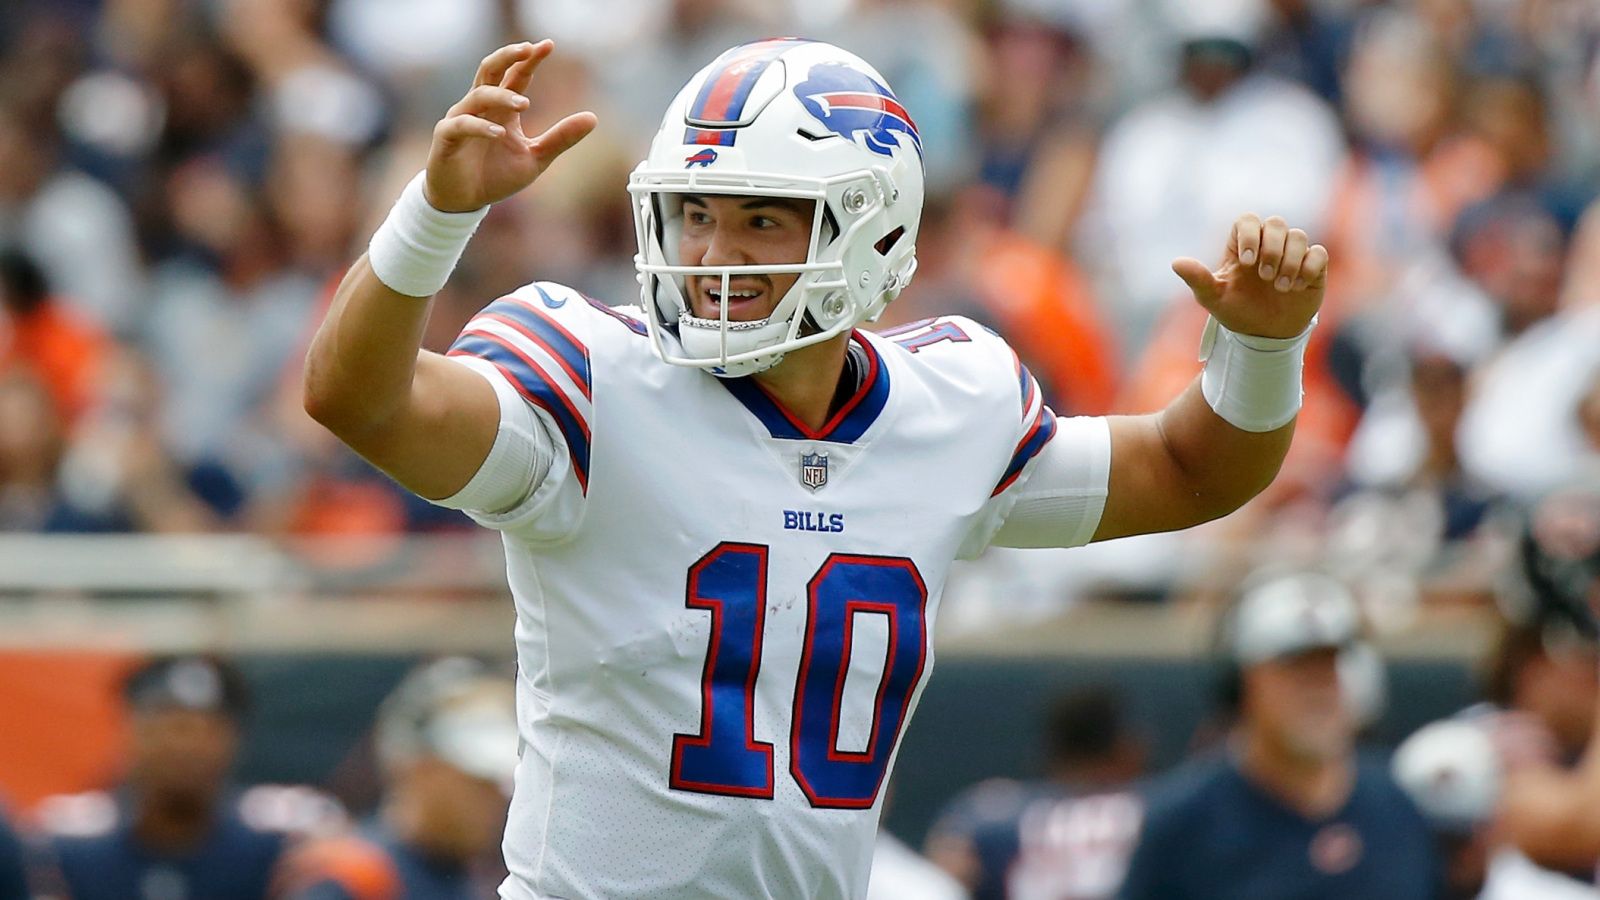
1550 803
1068 835
716 506
1520 432
13 871
1287 808
175 827
1454 772
447 746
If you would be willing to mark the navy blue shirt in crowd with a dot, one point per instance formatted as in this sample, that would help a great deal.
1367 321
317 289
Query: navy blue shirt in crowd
13 880
420 877
234 861
1211 834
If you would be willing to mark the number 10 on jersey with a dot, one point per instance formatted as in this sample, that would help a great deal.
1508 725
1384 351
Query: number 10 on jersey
730 582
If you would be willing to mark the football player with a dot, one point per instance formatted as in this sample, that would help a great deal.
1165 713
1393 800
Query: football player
728 512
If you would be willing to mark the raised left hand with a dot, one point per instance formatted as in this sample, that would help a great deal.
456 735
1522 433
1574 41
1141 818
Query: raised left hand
1270 283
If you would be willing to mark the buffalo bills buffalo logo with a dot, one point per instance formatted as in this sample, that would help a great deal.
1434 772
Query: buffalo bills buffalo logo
854 105
704 158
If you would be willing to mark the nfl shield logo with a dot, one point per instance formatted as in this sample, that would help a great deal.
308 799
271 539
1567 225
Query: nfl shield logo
814 470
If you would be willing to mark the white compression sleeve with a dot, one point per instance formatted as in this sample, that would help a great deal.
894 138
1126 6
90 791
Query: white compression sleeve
1060 503
519 460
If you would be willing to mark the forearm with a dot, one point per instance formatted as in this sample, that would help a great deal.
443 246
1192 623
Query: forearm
1550 816
363 359
1222 466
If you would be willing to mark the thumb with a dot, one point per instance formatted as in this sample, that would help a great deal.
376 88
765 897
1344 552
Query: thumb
1205 286
563 135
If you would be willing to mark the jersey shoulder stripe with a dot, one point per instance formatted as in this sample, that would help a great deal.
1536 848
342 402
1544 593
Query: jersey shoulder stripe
1033 441
632 324
543 330
535 383
1040 424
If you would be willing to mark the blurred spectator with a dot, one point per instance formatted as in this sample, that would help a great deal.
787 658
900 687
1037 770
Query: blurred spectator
1520 432
224 318
176 827
13 875
1183 165
1288 808
447 746
63 349
1039 132
1309 42
1549 668
77 229
972 265
31 444
1544 671
1415 513
1454 773
1066 836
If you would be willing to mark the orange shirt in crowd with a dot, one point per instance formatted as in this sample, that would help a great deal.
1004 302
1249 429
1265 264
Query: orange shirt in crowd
67 353
1045 308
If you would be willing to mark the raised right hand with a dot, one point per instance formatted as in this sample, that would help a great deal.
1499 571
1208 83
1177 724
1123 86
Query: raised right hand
480 154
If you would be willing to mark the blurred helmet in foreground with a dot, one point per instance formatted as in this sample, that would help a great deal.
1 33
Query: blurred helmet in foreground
1452 772
454 710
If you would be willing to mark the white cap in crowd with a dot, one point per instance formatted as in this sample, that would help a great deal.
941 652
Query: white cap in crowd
1293 614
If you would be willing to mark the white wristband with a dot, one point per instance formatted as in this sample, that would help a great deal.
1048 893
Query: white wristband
417 247
1252 382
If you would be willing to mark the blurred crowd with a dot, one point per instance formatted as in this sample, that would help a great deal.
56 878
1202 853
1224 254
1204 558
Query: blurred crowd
1283 791
183 181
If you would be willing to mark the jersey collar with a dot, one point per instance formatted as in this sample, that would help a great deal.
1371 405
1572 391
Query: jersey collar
845 427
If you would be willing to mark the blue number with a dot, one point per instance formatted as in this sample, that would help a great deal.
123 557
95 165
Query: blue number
724 757
845 587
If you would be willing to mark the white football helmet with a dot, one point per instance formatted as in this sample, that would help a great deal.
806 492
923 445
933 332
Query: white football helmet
790 118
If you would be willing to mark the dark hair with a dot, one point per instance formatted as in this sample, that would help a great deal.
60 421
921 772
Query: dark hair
1085 725
23 287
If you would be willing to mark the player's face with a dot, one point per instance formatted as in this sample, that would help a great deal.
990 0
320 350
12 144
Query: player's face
181 754
1297 703
742 231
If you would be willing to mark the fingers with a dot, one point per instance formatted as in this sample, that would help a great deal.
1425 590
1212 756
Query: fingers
1274 235
1294 254
560 137
490 100
1246 239
492 70
520 74
455 129
1314 270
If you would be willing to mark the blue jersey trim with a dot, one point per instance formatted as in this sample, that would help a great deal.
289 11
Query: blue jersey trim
846 427
1044 428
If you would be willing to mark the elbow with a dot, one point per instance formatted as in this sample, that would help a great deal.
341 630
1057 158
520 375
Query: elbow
326 401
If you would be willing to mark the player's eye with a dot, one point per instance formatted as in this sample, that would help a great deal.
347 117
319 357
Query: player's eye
696 217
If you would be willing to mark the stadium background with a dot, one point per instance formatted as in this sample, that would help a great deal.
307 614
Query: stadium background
182 181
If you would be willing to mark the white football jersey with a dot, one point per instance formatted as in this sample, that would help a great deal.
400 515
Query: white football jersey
723 617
